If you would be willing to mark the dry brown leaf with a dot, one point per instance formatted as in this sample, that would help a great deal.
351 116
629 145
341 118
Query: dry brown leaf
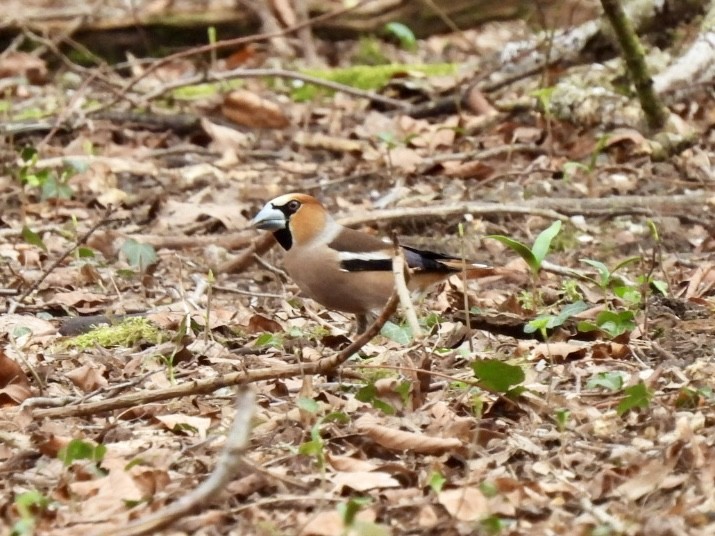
401 440
316 140
247 109
16 64
364 480
558 351
646 481
261 324
465 504
330 523
88 378
468 170
349 464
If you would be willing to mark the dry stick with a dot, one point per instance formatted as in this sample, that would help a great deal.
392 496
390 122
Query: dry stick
198 387
232 43
277 73
225 470
398 270
81 240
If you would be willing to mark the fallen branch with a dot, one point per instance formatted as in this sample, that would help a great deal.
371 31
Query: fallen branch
201 387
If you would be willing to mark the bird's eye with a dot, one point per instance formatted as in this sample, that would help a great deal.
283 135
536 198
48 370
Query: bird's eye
293 206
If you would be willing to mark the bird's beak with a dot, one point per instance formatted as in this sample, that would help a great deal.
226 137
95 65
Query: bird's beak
269 219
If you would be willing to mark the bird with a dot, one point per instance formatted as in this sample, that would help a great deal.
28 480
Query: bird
344 269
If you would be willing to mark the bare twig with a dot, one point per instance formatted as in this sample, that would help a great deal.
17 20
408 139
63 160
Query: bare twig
225 470
399 269
277 73
81 240
234 43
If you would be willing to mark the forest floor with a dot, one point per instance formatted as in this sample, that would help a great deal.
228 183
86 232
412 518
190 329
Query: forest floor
604 427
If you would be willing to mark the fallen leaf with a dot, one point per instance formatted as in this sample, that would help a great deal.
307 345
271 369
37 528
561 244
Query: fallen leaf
401 440
464 504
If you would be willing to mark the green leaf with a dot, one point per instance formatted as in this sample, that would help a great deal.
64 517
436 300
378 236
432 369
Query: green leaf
78 449
311 448
84 252
28 154
637 396
349 510
399 334
368 394
660 286
521 249
32 238
562 418
436 481
139 255
336 416
309 405
55 189
30 500
543 241
488 489
497 375
616 324
613 381
403 33
626 262
273 340
604 274
630 295
544 322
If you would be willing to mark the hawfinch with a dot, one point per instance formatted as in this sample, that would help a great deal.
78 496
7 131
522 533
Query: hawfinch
341 268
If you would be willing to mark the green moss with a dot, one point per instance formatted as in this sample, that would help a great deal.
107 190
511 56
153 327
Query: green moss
126 334
370 77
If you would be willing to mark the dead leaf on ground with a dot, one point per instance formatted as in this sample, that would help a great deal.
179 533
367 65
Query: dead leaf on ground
401 440
247 109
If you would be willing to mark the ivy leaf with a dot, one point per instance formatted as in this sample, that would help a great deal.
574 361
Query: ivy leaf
394 332
613 381
139 255
497 375
637 396
78 449
32 238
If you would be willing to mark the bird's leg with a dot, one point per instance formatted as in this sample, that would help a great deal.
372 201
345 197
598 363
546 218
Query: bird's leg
361 324
364 321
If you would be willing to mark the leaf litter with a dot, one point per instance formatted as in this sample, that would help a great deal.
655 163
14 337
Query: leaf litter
604 431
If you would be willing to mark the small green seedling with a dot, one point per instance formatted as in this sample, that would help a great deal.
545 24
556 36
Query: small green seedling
403 34
315 448
28 505
543 323
606 277
613 381
611 323
499 377
140 256
77 449
637 396
562 419
533 256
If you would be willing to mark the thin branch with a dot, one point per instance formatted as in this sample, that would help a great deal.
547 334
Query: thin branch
233 43
81 240
277 73
399 271
209 385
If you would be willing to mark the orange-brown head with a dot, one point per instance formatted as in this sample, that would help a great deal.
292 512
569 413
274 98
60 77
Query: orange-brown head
295 219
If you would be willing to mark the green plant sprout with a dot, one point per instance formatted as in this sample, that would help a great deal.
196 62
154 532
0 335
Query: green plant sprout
499 377
533 256
315 448
28 505
543 323
405 36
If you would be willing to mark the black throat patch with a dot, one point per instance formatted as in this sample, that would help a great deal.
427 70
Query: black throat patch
284 238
